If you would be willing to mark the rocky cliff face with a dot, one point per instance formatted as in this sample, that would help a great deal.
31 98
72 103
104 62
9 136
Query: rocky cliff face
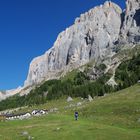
91 37
130 31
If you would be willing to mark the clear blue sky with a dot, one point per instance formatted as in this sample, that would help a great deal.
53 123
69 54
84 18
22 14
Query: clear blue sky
28 28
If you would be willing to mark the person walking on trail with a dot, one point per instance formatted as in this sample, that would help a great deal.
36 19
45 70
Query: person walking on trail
76 115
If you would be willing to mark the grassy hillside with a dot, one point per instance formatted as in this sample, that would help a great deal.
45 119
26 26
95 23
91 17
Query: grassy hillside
115 116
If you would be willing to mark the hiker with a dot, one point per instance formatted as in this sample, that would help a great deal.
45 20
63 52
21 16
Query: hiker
76 116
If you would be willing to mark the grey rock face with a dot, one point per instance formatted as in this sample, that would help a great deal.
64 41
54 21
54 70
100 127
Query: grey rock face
90 99
130 32
91 37
69 99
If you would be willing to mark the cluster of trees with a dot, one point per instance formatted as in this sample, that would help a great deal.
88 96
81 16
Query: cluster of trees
128 73
79 86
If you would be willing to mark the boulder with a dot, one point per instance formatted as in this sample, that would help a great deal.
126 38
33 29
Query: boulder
79 104
90 98
69 99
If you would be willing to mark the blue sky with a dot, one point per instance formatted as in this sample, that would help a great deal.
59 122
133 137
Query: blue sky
28 28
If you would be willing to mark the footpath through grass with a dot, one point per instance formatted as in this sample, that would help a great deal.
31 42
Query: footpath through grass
115 116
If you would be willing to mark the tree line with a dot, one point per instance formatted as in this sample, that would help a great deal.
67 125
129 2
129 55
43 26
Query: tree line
80 86
127 74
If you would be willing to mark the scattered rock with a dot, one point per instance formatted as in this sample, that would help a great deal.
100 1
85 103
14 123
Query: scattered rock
105 94
71 105
69 99
24 133
58 129
90 98
53 110
79 104
30 138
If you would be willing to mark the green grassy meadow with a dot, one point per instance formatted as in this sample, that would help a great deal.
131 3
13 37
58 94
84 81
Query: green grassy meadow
112 117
